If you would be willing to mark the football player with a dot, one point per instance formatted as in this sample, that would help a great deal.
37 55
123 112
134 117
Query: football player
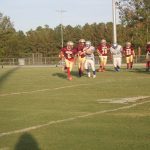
68 53
116 51
81 56
148 56
89 58
103 50
129 54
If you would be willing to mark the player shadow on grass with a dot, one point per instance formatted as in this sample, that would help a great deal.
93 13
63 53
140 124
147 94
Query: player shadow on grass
27 142
60 75
6 75
141 70
64 75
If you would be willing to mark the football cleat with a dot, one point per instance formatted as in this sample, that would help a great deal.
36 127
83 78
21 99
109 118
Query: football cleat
94 76
70 78
89 74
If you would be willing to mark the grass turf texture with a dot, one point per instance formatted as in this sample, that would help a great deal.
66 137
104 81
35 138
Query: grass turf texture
126 129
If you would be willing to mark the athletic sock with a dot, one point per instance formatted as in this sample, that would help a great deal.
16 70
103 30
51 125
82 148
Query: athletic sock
80 72
131 65
68 71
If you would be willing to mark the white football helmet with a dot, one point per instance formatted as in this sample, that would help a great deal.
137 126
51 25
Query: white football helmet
115 45
88 43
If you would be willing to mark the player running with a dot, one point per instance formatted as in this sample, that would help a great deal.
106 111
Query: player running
68 53
148 56
129 54
81 56
116 51
89 58
103 50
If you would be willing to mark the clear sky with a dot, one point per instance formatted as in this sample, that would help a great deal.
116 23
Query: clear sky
29 14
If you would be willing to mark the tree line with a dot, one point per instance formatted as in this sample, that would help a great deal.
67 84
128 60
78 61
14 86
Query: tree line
134 27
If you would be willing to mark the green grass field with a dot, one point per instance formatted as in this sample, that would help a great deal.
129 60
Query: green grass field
41 110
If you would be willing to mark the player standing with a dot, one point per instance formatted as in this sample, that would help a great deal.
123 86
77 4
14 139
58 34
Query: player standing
89 58
116 51
81 56
103 50
69 53
129 54
148 56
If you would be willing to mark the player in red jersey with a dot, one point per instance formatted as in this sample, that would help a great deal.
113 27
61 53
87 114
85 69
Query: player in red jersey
103 50
81 56
148 56
68 53
129 54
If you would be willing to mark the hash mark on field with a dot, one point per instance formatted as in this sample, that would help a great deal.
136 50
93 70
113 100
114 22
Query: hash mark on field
69 119
42 90
122 100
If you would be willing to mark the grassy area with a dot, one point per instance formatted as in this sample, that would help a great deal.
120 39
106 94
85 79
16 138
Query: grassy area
41 110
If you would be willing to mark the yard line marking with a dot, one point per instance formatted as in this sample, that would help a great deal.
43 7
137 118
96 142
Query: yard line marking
69 119
42 90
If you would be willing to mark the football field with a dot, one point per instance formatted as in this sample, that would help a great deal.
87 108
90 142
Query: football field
41 110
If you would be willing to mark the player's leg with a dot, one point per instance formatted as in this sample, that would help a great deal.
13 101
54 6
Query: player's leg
128 62
82 65
92 62
104 63
115 64
86 66
79 66
101 64
119 61
131 61
147 62
68 69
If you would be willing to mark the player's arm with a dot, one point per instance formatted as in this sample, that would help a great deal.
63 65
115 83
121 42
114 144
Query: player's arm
133 52
98 52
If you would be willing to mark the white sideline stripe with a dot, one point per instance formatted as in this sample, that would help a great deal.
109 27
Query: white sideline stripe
42 90
69 119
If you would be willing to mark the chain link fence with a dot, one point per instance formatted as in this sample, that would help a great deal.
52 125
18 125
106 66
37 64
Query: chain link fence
54 61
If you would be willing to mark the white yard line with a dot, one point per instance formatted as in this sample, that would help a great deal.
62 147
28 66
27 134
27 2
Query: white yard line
70 119
42 90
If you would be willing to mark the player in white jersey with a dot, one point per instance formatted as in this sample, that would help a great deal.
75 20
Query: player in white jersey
116 51
89 58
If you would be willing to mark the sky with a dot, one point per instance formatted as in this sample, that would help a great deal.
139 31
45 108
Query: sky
29 14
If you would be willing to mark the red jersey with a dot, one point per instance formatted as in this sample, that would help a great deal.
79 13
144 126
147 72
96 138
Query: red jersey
103 49
80 50
148 49
128 51
69 54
